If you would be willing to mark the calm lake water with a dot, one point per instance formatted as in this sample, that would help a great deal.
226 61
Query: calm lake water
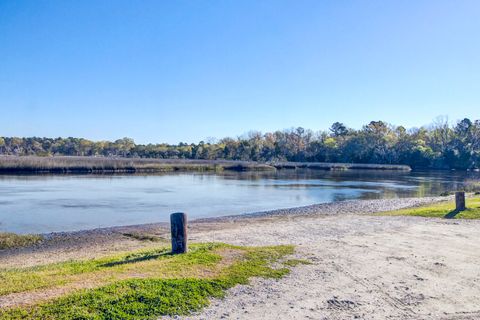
75 202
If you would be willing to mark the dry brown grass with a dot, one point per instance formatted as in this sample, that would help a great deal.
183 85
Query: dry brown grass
340 166
64 164
67 164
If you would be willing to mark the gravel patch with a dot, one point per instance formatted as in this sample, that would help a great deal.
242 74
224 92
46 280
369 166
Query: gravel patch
341 207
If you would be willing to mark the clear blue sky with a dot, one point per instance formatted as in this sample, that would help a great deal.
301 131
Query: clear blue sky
170 71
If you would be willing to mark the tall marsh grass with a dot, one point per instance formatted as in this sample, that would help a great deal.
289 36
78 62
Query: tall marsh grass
65 164
339 166
69 164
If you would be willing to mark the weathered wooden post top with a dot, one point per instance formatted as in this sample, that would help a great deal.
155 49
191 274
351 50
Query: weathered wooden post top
178 225
460 201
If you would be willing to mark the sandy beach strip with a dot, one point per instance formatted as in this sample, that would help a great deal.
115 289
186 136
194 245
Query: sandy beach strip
84 244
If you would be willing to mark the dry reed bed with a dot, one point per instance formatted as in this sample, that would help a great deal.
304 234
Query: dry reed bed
64 164
68 164
339 166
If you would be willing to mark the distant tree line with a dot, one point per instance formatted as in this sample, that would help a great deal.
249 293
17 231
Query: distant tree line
440 146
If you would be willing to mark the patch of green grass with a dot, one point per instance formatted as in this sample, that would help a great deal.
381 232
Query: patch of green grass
151 262
130 299
144 237
295 262
12 240
184 284
441 210
256 263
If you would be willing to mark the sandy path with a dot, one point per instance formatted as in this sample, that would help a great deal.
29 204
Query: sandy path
364 267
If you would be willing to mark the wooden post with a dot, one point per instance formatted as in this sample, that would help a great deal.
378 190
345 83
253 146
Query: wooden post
178 224
460 201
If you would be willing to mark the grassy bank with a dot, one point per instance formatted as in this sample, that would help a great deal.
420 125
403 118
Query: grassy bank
441 210
31 164
12 240
138 285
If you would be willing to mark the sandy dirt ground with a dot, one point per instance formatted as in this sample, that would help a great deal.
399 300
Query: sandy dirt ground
363 266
